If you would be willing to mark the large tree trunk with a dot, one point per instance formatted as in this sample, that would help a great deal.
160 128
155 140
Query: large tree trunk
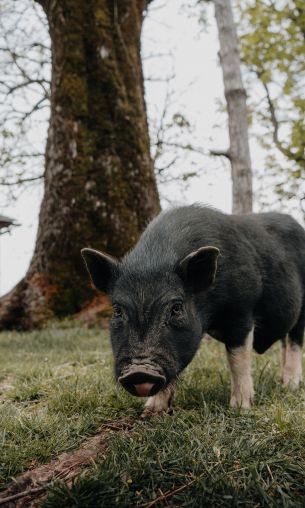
235 94
100 189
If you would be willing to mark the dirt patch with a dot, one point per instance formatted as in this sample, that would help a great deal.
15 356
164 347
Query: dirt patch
31 485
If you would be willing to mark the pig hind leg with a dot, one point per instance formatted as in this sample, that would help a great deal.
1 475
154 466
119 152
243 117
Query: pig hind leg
160 403
239 359
292 354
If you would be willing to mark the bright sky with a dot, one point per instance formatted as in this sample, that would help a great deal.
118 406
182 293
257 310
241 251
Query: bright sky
168 29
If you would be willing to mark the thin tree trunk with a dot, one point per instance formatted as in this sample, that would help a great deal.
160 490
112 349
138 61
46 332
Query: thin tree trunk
235 94
100 189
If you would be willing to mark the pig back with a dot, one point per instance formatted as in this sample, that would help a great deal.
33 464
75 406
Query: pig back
261 255
176 233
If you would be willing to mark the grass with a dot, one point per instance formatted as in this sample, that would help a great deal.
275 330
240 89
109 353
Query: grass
57 388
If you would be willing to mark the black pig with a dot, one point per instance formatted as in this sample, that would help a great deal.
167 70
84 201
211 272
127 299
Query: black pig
195 270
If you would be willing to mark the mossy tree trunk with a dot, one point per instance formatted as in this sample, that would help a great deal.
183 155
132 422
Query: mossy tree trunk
100 189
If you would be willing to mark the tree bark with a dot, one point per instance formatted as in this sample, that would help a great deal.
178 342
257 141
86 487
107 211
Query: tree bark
237 108
100 189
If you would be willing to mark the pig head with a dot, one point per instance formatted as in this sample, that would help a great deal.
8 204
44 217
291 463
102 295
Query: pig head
156 326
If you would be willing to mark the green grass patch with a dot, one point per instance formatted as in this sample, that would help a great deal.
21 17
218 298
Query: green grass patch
57 388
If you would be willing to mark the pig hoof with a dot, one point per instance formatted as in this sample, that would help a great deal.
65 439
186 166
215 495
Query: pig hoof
241 403
291 382
159 404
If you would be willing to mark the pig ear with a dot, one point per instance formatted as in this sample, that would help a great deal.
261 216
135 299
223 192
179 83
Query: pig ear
103 269
198 268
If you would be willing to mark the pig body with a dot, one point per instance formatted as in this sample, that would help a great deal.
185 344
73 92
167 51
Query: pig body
195 270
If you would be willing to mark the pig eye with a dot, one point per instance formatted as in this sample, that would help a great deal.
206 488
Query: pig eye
177 309
117 311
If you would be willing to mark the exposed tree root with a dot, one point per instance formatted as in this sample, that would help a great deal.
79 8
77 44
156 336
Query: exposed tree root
11 313
27 487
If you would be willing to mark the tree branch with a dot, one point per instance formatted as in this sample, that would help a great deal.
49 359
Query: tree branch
273 117
196 149
12 89
21 181
36 107
221 153
275 123
167 166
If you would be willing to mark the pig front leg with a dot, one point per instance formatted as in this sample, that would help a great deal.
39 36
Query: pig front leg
160 403
239 359
292 363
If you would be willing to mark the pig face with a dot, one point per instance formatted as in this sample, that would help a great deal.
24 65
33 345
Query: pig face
156 326
155 331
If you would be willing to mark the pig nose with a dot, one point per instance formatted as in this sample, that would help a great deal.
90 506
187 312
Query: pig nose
141 381
144 389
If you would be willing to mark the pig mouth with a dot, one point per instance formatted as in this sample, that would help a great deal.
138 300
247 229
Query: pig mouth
142 381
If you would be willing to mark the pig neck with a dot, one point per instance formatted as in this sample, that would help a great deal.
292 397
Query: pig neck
204 308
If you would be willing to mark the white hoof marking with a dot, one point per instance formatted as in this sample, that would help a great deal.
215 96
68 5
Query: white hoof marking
292 363
242 392
159 403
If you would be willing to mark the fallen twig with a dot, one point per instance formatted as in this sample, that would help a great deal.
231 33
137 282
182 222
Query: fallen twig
19 495
171 493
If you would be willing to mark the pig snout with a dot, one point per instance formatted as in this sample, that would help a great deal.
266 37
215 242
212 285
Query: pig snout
142 381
